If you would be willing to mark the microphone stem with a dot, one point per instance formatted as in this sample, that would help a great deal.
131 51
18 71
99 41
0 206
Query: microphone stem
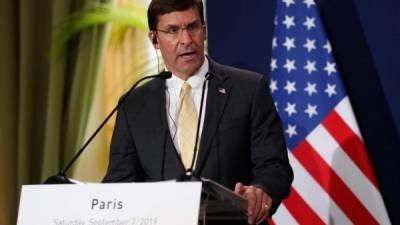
63 172
190 170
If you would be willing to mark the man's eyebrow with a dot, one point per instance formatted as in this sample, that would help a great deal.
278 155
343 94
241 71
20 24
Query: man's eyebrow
178 25
172 25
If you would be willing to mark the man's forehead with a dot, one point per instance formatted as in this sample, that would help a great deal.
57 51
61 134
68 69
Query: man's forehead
178 18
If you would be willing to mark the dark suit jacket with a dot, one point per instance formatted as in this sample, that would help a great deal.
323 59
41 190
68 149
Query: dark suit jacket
242 138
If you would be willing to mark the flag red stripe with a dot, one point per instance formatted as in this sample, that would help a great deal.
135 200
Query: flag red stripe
333 184
300 210
350 143
271 222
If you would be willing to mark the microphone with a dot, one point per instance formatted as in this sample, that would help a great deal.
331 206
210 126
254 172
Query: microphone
61 177
188 175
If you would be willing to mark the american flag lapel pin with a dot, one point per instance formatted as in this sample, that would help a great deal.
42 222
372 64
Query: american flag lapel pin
222 90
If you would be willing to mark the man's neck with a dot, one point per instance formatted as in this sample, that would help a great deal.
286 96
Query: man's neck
184 76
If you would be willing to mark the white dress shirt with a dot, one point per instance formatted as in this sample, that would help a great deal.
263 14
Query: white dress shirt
174 85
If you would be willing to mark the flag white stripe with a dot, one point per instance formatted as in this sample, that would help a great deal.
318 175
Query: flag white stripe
345 111
341 163
283 216
314 195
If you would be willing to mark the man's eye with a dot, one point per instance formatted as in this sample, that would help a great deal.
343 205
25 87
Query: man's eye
192 27
172 30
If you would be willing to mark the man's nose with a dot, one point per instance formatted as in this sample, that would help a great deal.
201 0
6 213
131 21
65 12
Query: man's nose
184 37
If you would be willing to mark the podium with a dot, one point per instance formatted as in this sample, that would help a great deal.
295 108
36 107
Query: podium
158 203
220 203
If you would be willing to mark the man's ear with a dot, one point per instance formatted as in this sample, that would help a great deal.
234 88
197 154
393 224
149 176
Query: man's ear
205 32
153 38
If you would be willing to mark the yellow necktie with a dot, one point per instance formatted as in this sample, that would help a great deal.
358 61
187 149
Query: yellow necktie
187 120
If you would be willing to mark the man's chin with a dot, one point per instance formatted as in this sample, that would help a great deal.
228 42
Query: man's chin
189 67
188 71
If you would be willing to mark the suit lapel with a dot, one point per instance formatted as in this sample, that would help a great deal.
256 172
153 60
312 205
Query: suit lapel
217 98
158 133
155 104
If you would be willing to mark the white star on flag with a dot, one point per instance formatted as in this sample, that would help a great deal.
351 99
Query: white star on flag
311 110
288 2
311 88
328 47
309 23
290 65
330 68
290 108
273 86
310 66
274 65
274 43
291 130
309 3
289 43
330 90
289 21
310 45
290 87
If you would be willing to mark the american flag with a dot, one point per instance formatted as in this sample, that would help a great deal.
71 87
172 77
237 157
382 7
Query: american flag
333 179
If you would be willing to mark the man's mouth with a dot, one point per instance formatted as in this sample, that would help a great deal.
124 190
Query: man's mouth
187 54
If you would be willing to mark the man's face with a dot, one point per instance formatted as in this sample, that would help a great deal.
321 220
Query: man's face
181 37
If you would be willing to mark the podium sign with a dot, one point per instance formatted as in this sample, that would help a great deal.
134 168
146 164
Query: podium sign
163 203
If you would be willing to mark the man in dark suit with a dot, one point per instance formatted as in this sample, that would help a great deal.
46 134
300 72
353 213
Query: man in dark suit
241 142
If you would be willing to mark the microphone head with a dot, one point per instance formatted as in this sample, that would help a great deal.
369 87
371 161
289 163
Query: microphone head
60 178
164 75
209 75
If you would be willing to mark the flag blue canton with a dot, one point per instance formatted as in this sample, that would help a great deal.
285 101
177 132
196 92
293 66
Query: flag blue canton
305 82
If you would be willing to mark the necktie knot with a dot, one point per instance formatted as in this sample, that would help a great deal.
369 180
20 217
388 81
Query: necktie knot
185 88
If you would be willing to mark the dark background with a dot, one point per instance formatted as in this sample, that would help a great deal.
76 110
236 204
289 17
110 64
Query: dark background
365 35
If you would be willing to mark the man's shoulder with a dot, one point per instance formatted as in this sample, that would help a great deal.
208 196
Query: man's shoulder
139 95
235 74
148 86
